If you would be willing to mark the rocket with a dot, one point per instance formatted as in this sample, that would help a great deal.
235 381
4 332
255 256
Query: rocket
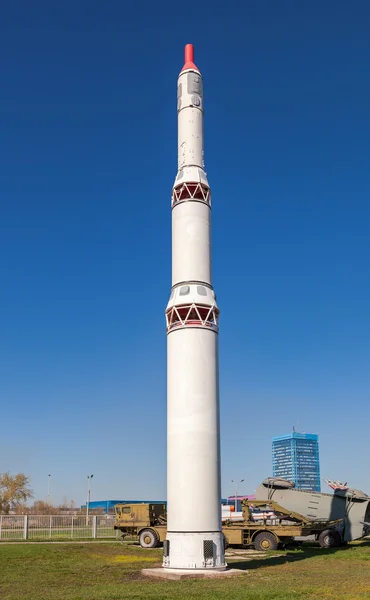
194 531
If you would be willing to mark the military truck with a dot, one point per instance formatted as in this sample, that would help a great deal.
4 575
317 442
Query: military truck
149 523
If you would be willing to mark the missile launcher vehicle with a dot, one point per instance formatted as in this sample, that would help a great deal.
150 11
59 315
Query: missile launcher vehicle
333 519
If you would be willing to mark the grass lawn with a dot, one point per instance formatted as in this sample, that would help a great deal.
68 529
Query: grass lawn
111 571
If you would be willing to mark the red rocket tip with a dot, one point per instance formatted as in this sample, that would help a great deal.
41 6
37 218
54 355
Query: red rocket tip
189 58
189 53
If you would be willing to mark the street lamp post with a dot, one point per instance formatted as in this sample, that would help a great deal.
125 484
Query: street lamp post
89 478
236 491
48 496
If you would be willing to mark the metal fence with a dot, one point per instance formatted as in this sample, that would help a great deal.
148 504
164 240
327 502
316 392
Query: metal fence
56 527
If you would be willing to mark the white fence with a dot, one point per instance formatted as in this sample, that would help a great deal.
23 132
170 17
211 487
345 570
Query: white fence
56 527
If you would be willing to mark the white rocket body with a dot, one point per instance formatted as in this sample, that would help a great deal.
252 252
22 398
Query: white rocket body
194 530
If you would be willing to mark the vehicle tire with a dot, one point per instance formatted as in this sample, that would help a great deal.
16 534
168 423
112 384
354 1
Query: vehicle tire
226 542
329 538
148 539
265 541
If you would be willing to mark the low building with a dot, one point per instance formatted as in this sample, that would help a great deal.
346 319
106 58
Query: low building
107 506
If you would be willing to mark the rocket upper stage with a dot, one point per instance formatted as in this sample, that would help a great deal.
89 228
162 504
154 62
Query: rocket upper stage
189 58
190 123
191 194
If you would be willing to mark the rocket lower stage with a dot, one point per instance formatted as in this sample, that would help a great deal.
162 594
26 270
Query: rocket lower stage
193 449
194 536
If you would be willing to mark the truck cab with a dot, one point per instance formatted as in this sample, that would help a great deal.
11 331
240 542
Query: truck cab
146 520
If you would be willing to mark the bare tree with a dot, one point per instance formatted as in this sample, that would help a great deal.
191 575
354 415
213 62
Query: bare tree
14 491
21 509
40 507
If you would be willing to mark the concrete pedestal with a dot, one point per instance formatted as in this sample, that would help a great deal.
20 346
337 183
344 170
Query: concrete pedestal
178 574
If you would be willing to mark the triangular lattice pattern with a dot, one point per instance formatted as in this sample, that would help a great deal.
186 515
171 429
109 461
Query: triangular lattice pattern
192 315
191 191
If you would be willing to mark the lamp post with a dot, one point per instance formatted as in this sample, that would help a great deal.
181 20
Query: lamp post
89 478
48 496
236 490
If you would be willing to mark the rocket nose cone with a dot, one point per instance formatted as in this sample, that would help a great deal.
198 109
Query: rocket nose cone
189 58
189 53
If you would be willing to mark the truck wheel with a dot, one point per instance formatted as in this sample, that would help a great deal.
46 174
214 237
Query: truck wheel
329 538
226 542
148 539
265 541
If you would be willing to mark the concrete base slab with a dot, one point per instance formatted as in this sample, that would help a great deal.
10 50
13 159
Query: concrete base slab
244 552
177 574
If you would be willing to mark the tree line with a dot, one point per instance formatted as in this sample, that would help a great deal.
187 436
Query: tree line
15 492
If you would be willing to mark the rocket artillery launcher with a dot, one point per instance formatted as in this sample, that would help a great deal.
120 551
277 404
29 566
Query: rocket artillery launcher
347 510
149 523
334 519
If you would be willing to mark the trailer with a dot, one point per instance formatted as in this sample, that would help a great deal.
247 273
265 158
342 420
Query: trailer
348 508
279 528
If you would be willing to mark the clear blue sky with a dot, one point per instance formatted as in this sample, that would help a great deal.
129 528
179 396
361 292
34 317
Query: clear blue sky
87 161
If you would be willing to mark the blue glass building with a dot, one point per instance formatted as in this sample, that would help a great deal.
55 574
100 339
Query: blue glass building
295 456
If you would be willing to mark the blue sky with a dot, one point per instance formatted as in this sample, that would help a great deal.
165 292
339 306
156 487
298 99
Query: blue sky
88 158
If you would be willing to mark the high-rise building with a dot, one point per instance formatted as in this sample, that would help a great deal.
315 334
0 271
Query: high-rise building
295 456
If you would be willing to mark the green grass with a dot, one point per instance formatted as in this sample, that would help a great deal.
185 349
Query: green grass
57 533
111 571
39 533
